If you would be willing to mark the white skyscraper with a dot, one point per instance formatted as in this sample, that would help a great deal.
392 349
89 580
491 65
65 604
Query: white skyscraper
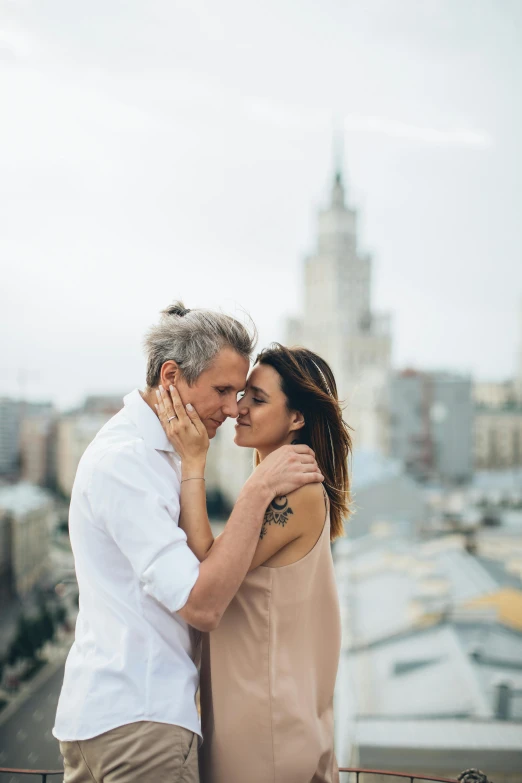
518 379
338 322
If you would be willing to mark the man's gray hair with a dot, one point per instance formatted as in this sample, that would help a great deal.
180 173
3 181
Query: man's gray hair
193 338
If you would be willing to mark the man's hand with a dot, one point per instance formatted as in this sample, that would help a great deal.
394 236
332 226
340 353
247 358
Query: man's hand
287 469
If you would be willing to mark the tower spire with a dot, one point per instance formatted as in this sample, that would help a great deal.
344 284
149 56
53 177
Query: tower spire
338 148
338 160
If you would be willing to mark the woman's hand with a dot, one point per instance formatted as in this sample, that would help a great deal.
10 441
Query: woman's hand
183 428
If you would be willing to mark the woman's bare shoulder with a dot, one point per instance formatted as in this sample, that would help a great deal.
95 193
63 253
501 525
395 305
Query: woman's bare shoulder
309 502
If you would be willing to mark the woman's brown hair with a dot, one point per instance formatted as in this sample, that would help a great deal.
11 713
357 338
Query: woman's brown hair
309 386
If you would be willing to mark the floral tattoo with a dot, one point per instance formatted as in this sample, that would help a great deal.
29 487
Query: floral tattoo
277 513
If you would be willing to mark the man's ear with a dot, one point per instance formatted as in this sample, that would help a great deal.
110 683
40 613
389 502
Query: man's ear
298 421
170 372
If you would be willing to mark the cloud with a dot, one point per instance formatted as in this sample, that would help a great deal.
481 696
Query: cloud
282 115
317 119
55 119
15 44
449 137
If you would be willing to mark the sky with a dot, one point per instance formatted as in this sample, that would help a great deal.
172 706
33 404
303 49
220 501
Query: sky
181 148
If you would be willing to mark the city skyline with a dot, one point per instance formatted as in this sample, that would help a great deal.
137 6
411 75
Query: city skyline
156 154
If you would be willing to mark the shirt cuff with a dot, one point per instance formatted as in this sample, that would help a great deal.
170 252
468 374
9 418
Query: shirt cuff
170 578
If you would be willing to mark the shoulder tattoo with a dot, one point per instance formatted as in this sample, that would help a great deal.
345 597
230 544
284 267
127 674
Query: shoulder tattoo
277 513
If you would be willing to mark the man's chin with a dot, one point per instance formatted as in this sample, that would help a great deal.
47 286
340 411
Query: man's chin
211 428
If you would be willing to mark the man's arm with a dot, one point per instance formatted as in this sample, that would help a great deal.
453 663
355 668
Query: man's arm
132 502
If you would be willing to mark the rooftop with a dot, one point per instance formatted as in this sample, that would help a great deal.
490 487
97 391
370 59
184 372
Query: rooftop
488 745
508 605
23 497
371 468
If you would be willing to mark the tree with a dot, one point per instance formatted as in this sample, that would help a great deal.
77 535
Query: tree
60 614
217 504
46 623
14 652
24 645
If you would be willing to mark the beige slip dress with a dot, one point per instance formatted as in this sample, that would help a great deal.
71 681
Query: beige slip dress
268 675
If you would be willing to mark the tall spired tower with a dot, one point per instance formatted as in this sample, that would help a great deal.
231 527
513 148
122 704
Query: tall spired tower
518 378
338 322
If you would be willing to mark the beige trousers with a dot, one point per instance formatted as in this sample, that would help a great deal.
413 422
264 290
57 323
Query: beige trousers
143 752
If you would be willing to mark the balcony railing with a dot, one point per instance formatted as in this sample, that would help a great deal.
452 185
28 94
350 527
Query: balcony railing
469 776
42 773
406 775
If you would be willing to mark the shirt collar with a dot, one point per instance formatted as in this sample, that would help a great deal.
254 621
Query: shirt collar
147 422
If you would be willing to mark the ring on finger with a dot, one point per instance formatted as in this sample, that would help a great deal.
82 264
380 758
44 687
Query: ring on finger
172 417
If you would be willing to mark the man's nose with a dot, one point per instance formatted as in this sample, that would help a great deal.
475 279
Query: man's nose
231 409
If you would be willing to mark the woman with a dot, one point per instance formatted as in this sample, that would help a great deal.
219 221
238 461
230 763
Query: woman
268 671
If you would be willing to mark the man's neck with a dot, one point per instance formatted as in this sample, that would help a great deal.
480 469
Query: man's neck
149 396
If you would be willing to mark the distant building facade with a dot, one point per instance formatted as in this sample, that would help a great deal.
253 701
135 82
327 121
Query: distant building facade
495 394
6 560
103 404
431 420
37 444
339 324
9 435
30 512
26 440
74 432
384 497
497 437
518 375
497 428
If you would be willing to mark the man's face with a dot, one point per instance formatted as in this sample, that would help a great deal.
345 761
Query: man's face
214 394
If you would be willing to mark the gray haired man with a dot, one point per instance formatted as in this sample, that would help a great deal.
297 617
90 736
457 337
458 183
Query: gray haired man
127 708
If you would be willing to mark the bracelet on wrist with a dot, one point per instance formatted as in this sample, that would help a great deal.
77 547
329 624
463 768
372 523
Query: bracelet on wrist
193 478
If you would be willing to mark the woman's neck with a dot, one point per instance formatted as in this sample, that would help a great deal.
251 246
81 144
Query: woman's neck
264 452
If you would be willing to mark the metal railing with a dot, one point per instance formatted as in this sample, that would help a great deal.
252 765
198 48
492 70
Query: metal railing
357 771
469 776
43 773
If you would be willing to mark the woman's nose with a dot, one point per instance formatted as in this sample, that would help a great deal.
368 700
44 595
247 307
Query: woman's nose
242 407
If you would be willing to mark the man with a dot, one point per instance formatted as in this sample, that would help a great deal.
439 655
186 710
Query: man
127 708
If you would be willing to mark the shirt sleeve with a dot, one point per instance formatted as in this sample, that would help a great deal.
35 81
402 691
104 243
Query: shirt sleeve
140 512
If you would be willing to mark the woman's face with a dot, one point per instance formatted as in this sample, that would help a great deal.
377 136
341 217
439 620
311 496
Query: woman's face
264 422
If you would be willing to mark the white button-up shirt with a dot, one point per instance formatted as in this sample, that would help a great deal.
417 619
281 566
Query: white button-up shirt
132 658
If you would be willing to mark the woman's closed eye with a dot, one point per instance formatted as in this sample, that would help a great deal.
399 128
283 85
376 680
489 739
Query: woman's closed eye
254 399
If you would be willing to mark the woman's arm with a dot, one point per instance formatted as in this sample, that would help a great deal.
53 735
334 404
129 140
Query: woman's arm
193 518
189 438
285 520
296 519
299 515
222 572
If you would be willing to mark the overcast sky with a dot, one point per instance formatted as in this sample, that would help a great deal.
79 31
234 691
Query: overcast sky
163 148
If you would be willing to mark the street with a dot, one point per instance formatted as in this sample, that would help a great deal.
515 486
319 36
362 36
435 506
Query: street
26 740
